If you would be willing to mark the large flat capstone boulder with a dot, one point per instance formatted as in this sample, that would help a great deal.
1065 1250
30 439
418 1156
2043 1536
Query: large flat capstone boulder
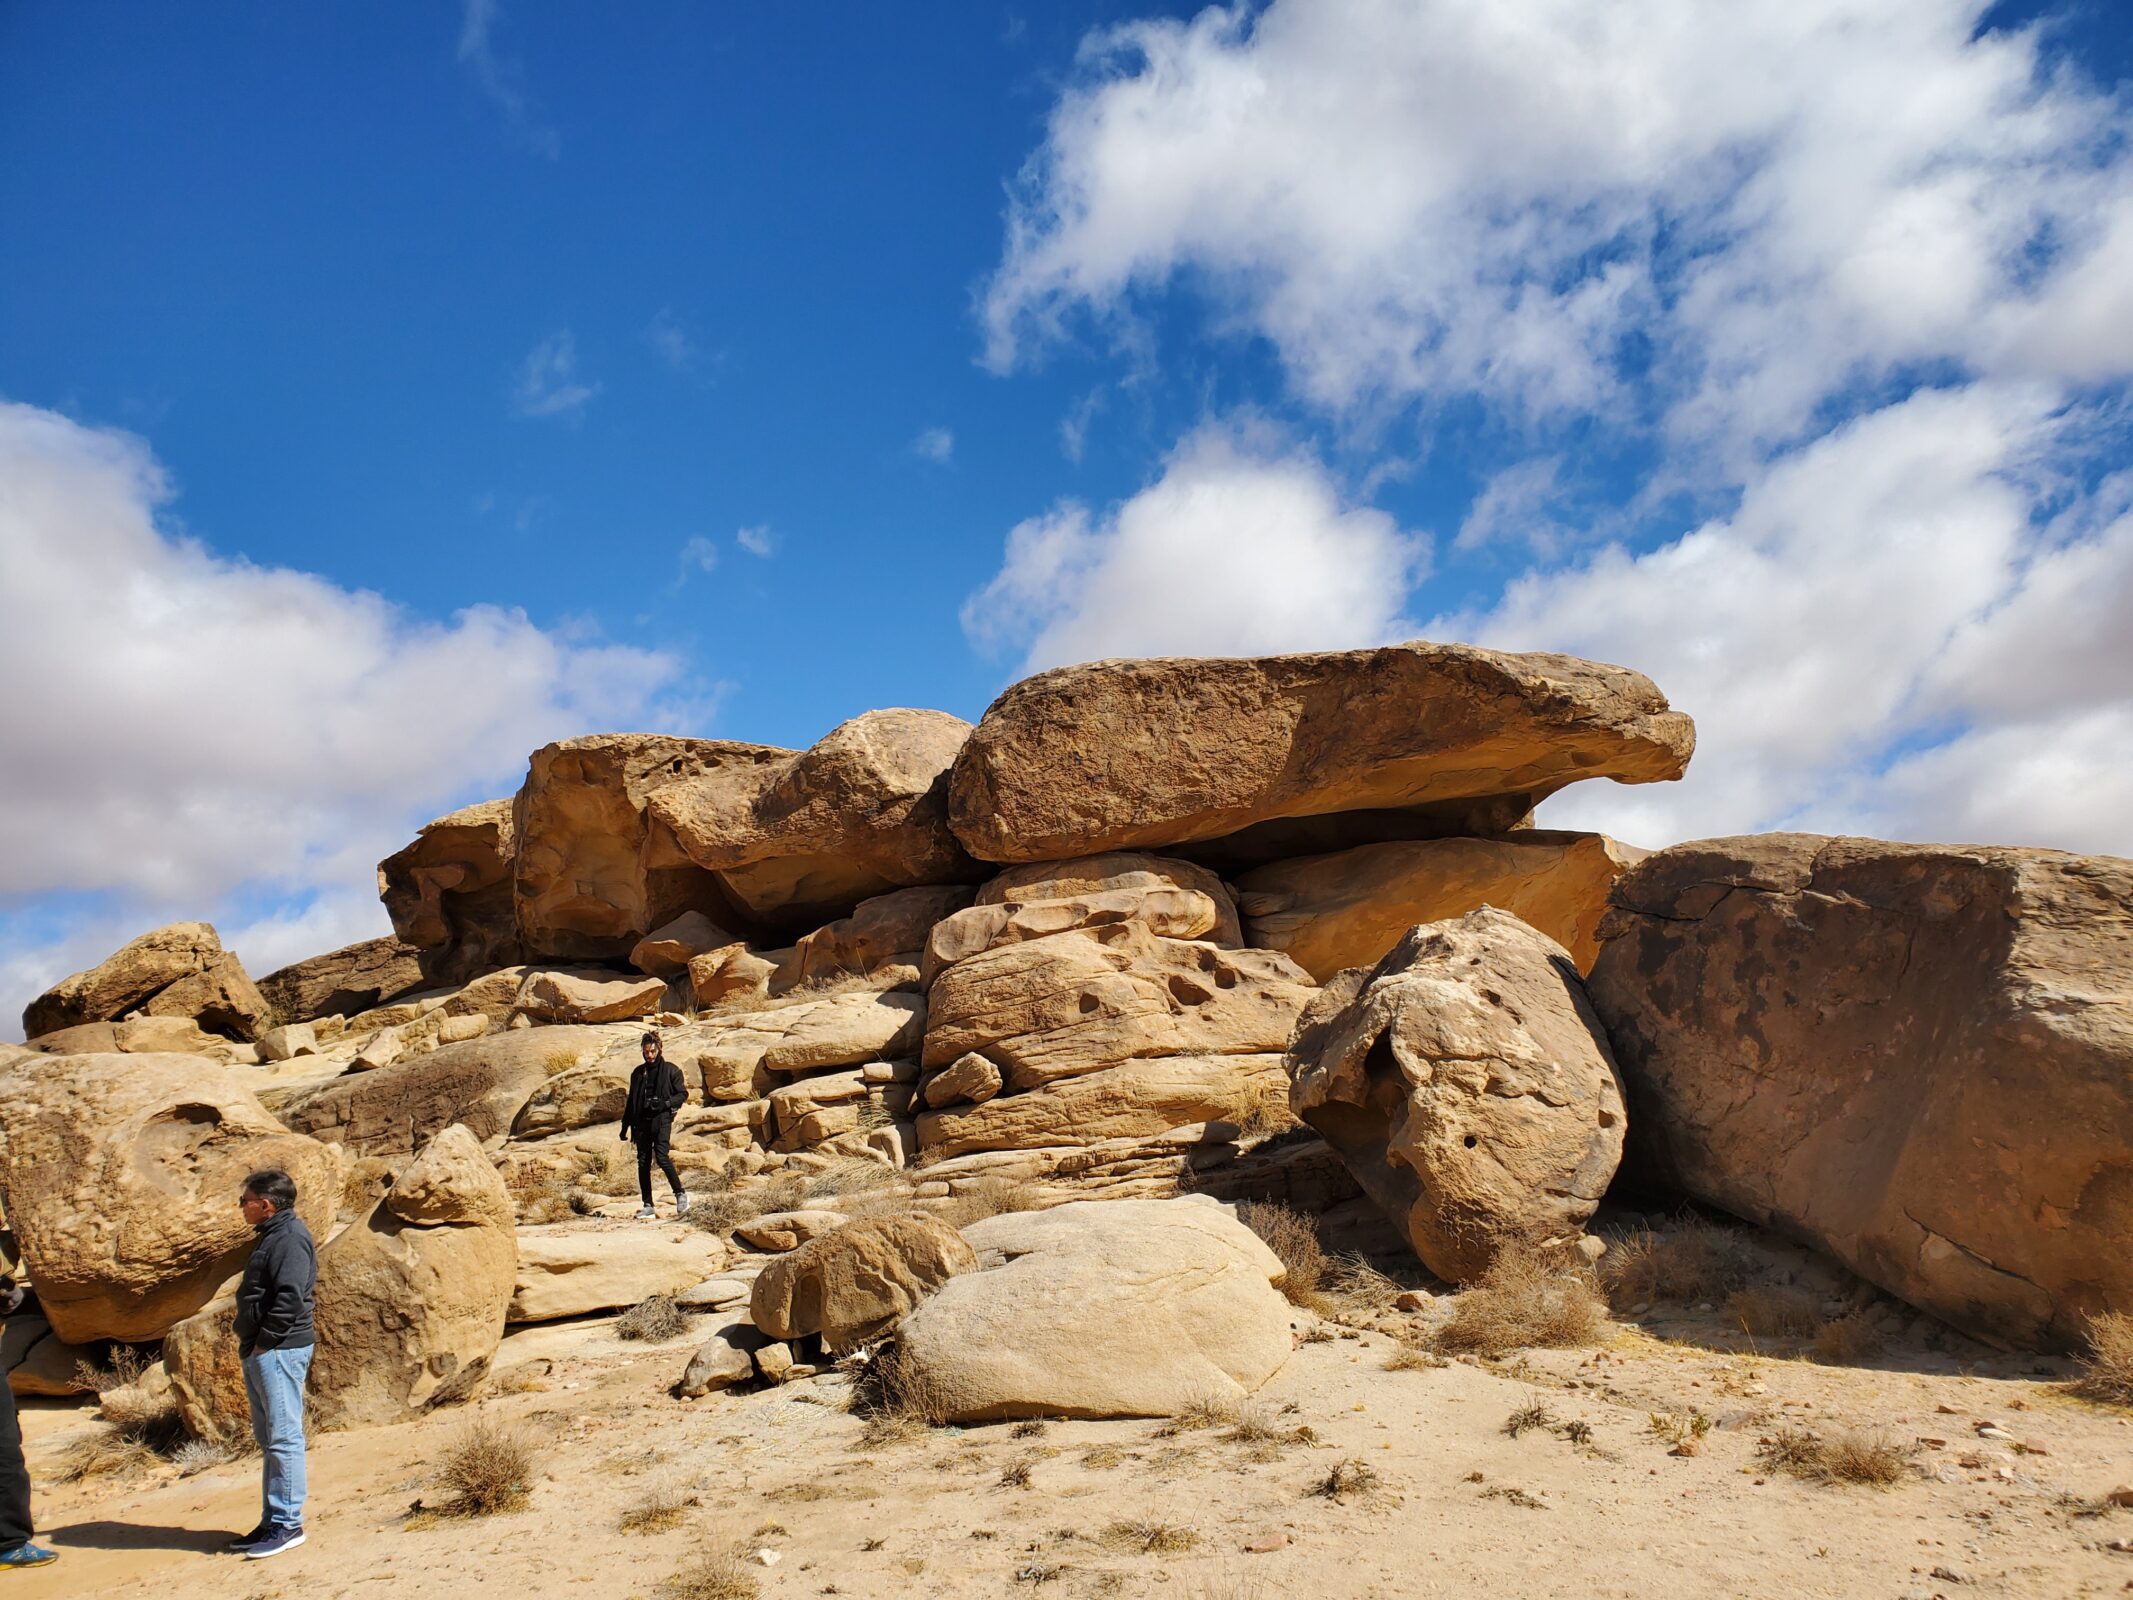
1456 740
1122 1308
1466 1084
122 1174
809 835
125 980
571 1269
1348 909
343 982
1916 1057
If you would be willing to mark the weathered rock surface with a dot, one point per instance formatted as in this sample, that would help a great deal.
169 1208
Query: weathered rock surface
805 837
568 1271
133 1036
667 950
220 998
890 930
732 977
343 982
1916 1057
37 1362
121 1174
410 1305
841 1031
449 892
587 994
1126 754
721 1361
1349 908
595 871
1467 1085
125 980
1134 1100
968 1079
1129 1308
788 1230
1174 899
854 1285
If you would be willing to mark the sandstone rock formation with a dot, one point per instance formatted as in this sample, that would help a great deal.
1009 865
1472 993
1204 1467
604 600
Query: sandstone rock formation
125 980
1917 1057
567 1272
886 933
854 1285
801 838
740 1060
1128 1308
410 1305
122 1173
721 1361
1126 754
343 982
587 994
1349 908
668 949
220 998
1466 1083
449 892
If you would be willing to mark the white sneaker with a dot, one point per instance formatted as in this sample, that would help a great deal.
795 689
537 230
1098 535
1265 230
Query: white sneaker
645 1214
681 1203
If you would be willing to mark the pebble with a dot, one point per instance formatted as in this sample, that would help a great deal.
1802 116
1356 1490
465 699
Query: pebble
2121 1496
1947 1575
767 1557
1267 1543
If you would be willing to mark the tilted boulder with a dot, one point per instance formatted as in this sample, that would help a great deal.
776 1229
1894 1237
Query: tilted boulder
1916 1057
122 1174
1133 1100
741 1057
807 836
1174 899
220 998
1466 1083
721 1361
595 870
1122 1308
343 982
668 949
571 1270
125 980
449 893
410 1305
587 994
1348 909
854 1285
888 931
1456 740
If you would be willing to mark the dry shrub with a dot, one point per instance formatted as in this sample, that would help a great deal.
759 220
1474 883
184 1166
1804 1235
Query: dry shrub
1851 1337
893 1388
1149 1538
1411 1355
853 1175
721 1213
659 1510
1290 1235
539 1193
1677 1429
1526 1299
488 1468
1204 1411
2107 1370
1017 1475
1102 1457
106 1453
1263 1110
1352 1287
1775 1311
198 1455
716 1576
1845 1457
655 1320
989 1197
1689 1259
1533 1414
1349 1479
559 1060
140 1431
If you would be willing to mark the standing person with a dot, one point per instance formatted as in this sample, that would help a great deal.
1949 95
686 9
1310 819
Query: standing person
275 1339
656 1093
18 1547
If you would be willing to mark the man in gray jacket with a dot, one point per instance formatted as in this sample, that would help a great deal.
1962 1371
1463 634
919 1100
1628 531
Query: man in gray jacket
275 1338
18 1544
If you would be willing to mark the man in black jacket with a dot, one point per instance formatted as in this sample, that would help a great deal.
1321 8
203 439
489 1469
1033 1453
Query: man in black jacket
656 1093
275 1338
18 1544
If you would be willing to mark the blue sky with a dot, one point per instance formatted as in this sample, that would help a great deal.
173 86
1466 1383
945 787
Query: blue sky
389 388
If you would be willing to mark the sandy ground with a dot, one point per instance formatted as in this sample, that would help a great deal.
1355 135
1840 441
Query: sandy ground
1460 1507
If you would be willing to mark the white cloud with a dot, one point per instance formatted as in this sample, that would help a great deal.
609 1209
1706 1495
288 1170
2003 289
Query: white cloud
934 444
671 342
1521 505
1074 426
757 540
1728 211
195 735
1239 548
502 78
699 554
548 381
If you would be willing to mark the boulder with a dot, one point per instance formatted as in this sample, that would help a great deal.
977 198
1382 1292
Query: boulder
595 871
888 931
39 1363
968 1079
1135 1100
588 994
788 1230
1467 1085
1348 909
667 950
410 1305
1125 1308
220 998
343 982
804 837
125 980
721 1361
287 1042
133 1036
843 1030
854 1285
449 893
483 1083
583 1097
1078 1002
122 1173
1918 1058
732 977
569 1270
1456 740
1174 899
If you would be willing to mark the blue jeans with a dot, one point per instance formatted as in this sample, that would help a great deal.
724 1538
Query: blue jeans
274 1384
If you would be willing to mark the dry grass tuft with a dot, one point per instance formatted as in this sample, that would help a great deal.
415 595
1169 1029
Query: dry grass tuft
891 1386
2107 1370
1263 1110
1410 1355
1526 1300
717 1576
658 1511
1687 1259
1851 1337
1515 1496
1533 1414
539 1194
1149 1538
1677 1429
1032 1428
198 1455
1102 1457
488 1468
1207 1411
655 1320
1354 1288
1017 1476
1845 1457
989 1197
1774 1311
854 1175
107 1453
1349 1479
1289 1234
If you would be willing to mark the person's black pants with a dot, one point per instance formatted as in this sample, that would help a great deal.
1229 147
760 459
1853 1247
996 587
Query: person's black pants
651 1138
15 1528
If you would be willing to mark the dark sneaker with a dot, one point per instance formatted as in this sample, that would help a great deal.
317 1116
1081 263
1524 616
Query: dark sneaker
275 1543
245 1541
27 1555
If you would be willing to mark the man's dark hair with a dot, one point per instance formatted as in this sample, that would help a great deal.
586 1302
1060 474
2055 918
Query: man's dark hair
654 1040
274 1185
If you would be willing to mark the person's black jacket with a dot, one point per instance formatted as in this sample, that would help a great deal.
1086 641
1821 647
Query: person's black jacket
656 1091
274 1300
